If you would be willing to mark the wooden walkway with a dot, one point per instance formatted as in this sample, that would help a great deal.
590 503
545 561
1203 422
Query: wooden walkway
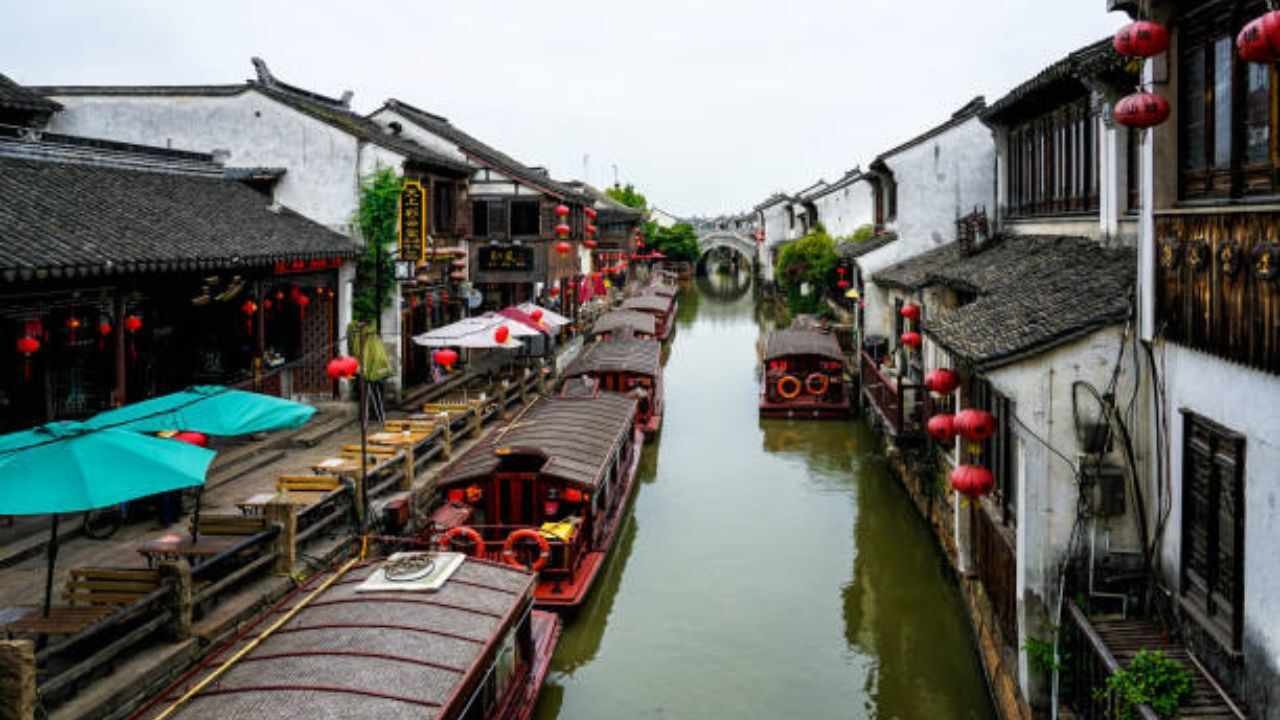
1124 637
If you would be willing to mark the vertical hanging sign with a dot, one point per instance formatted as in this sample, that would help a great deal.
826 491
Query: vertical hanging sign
413 224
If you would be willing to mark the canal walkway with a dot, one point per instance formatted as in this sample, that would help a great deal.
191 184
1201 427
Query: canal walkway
771 568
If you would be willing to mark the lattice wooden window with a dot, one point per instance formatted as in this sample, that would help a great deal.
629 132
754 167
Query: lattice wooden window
1213 516
1052 161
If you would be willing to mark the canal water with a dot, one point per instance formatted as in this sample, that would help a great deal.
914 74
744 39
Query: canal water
771 568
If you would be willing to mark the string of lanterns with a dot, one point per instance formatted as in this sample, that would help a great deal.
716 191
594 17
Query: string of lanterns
974 425
911 338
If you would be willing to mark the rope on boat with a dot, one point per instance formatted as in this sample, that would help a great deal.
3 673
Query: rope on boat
231 661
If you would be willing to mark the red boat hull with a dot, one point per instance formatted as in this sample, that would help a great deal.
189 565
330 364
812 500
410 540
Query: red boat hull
546 635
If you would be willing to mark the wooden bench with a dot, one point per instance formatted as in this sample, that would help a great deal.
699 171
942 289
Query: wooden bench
307 483
413 426
376 450
229 525
452 408
109 587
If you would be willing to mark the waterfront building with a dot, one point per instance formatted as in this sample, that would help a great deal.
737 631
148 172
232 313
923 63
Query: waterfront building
844 205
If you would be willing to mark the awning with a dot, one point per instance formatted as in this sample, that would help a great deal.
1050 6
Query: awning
474 333
549 317
520 318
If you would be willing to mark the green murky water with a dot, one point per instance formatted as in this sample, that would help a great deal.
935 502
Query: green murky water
771 569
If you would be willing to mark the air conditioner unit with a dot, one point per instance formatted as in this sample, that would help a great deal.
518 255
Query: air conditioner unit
413 572
1105 483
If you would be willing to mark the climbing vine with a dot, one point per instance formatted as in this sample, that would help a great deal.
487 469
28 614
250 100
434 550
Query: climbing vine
376 217
1151 679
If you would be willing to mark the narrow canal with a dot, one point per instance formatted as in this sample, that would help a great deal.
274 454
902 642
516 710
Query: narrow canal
772 569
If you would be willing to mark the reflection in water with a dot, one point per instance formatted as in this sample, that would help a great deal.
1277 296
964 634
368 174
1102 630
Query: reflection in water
780 573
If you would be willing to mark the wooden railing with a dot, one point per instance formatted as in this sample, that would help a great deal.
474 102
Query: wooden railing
903 417
1086 665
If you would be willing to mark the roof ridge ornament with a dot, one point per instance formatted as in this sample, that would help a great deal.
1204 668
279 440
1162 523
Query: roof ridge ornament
264 73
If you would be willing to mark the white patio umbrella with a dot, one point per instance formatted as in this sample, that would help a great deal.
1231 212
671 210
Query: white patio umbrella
475 333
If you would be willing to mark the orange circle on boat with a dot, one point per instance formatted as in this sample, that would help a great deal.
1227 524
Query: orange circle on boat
477 540
509 549
789 387
817 384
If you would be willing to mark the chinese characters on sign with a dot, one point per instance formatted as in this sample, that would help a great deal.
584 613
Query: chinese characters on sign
506 258
413 223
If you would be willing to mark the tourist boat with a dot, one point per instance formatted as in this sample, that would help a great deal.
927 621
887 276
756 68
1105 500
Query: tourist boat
418 634
631 367
547 492
803 375
625 324
663 309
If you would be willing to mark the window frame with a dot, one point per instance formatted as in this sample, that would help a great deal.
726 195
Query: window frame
1053 162
533 211
444 200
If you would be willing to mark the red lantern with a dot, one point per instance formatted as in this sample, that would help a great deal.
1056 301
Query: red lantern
501 334
942 427
133 323
1142 110
536 315
842 284
972 481
191 437
563 247
563 230
249 307
562 211
445 358
975 425
1143 39
911 339
640 244
28 345
572 495
591 244
104 331
942 381
910 311
553 291
456 496
592 229
840 271
302 301
591 213
1259 41
342 367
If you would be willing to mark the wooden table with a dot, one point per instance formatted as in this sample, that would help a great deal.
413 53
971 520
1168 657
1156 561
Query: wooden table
338 466
176 547
252 505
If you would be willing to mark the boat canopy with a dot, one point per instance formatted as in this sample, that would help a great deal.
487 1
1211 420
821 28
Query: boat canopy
661 290
782 343
643 357
613 321
475 333
577 436
647 303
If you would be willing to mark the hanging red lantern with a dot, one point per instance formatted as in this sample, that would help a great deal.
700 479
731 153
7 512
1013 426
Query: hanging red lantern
1142 110
942 381
910 311
975 425
445 358
562 211
563 230
591 244
249 308
279 295
840 270
842 284
972 481
911 340
536 315
591 213
28 346
302 301
342 367
592 229
563 247
192 437
501 334
572 496
942 427
554 291
1259 41
267 304
640 244
133 323
104 331
456 495
1142 39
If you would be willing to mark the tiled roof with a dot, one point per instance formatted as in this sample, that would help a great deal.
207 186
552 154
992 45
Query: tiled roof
76 211
913 272
1034 293
772 200
849 250
621 355
971 109
781 343
481 152
615 320
15 97
845 181
1062 78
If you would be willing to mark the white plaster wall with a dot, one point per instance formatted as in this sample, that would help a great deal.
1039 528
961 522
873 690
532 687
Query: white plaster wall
846 209
419 134
1248 402
940 180
255 130
776 232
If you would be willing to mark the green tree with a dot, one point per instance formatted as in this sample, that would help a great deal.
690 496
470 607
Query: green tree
377 217
678 242
629 196
863 233
812 260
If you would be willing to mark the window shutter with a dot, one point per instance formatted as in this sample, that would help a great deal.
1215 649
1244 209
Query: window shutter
498 219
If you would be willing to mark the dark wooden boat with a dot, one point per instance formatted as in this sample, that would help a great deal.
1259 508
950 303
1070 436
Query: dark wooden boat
802 375
548 491
663 309
630 367
374 639
625 324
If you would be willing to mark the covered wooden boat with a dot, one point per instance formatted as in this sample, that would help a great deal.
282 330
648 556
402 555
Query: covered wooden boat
417 635
548 491
661 308
625 324
803 375
630 367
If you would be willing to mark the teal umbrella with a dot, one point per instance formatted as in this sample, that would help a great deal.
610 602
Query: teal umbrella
68 467
208 409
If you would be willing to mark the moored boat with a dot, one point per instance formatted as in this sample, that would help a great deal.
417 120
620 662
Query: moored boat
418 634
663 309
548 491
802 375
631 367
625 324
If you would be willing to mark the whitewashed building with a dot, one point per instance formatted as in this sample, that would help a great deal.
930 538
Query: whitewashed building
844 205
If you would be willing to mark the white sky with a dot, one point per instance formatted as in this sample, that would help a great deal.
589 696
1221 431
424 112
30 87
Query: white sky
706 106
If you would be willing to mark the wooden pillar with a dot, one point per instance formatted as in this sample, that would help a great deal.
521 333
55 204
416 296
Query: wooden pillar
17 680
448 435
122 382
283 515
406 483
180 599
524 387
477 417
502 397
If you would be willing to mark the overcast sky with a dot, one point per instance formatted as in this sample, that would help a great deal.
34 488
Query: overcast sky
707 107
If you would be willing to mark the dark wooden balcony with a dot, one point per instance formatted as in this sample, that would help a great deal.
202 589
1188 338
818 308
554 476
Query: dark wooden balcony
900 405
